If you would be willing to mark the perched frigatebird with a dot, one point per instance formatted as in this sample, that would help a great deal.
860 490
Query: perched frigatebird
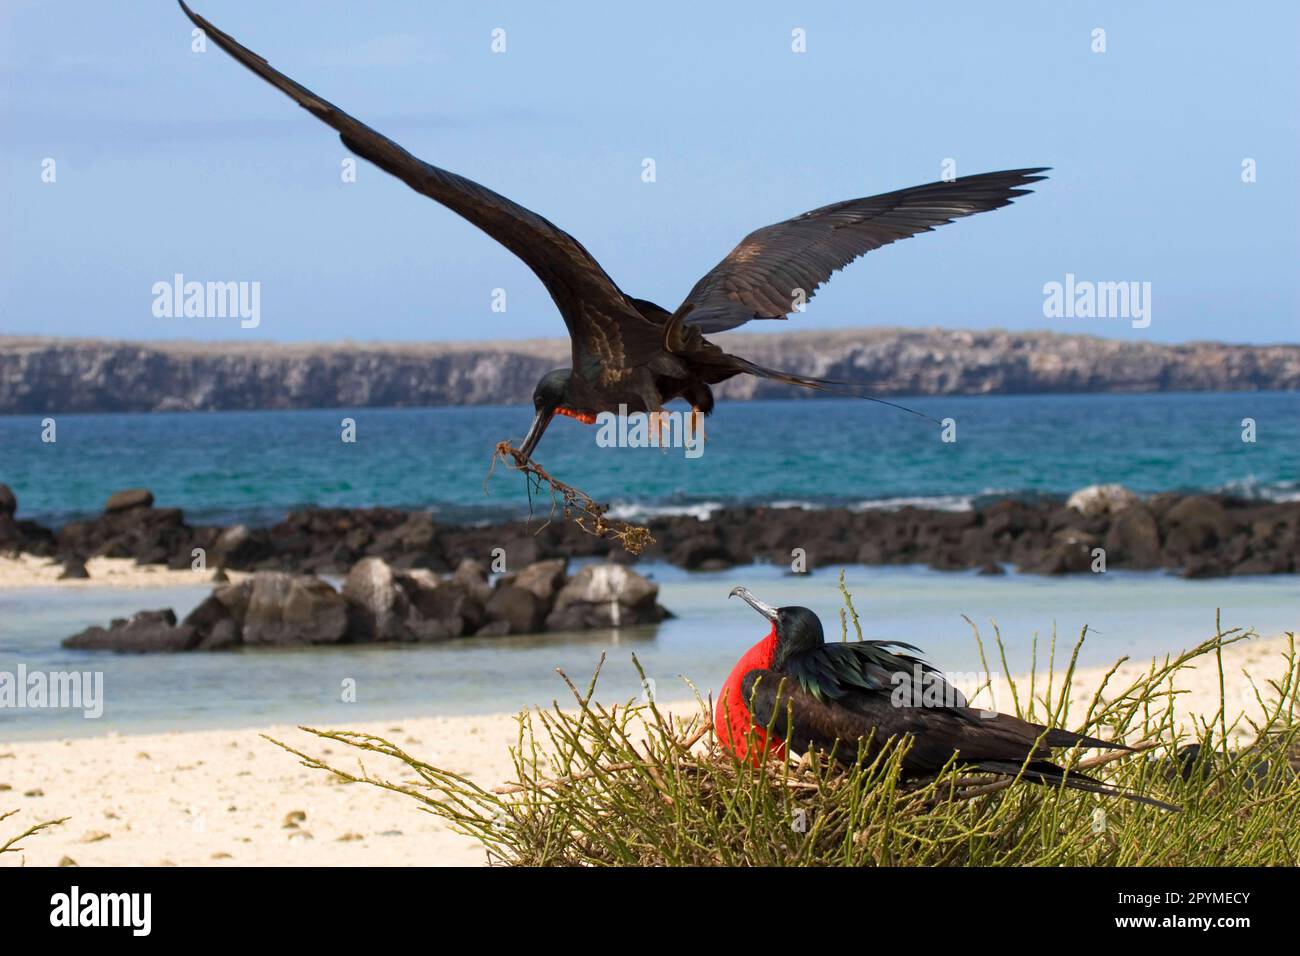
631 352
837 698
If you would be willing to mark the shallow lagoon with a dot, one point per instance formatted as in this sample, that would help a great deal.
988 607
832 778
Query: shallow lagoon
1139 614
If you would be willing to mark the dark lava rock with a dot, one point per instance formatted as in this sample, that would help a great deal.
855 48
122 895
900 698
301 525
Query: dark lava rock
543 578
1012 518
148 535
698 550
436 629
224 635
1196 534
605 595
129 498
12 540
948 558
451 603
8 503
413 543
74 569
1133 539
293 609
146 631
521 610
1204 566
377 607
233 547
1196 524
235 598
420 587
498 628
1275 563
473 577
1064 557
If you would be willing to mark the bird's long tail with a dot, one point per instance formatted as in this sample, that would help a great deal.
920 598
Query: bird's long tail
1058 737
830 386
679 337
1046 773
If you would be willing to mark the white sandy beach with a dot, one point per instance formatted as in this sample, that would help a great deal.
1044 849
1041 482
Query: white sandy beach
222 797
30 571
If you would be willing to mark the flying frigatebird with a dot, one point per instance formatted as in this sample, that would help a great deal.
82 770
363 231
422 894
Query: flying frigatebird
836 698
631 352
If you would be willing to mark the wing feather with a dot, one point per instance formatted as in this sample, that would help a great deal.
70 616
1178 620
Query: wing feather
762 276
604 326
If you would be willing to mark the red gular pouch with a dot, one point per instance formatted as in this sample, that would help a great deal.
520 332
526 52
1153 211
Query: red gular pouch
587 418
731 717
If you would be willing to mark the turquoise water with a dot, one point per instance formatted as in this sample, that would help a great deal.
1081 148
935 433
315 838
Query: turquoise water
1136 614
254 466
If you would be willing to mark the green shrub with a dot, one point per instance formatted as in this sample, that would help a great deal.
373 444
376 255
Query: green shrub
11 845
634 785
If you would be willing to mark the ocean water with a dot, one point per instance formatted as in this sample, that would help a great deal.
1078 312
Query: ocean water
1139 614
255 466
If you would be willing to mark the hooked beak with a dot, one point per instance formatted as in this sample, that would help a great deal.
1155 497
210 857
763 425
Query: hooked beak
540 420
766 610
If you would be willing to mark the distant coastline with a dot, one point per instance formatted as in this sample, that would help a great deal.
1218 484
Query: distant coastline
40 375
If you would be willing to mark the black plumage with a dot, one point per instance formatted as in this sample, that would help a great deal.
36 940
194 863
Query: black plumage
850 698
629 351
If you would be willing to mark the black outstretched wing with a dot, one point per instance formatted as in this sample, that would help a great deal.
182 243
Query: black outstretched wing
759 279
608 334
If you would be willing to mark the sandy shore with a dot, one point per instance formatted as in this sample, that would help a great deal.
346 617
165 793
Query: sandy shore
31 571
223 797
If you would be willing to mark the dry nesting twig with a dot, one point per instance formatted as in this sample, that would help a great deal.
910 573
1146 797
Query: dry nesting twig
577 505
684 743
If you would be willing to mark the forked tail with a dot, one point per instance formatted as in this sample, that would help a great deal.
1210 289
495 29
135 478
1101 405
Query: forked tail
827 385
1046 773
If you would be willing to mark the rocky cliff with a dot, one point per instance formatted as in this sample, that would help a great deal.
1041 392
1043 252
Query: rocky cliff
40 375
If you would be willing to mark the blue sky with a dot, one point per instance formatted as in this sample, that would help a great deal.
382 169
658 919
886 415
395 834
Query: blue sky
170 161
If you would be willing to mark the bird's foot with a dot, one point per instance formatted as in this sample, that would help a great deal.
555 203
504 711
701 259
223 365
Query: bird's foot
697 425
659 424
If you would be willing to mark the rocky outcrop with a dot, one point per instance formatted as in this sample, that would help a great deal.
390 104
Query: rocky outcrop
285 609
150 535
604 595
127 499
42 375
18 536
1196 535
377 607
147 631
1101 500
74 569
378 604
